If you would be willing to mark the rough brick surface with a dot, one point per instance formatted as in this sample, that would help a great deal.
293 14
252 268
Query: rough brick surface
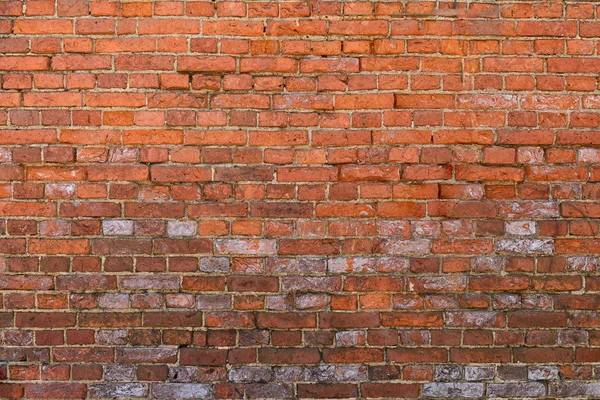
299 199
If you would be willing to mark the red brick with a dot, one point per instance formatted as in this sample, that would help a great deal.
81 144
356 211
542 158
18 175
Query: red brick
150 26
115 100
353 102
53 390
288 356
56 173
286 321
59 246
329 65
495 284
351 356
418 355
52 99
80 62
480 355
206 64
289 138
379 390
43 27
327 391
307 174
180 174
108 172
424 101
214 357
489 174
25 63
45 320
308 246
543 355
505 64
411 319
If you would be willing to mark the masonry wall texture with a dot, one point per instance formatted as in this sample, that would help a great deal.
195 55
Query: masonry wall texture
287 199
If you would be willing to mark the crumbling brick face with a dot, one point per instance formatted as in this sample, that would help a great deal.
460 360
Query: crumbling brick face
299 199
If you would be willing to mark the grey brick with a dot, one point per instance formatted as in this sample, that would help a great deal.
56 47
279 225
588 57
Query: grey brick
250 374
512 372
117 227
574 389
453 390
479 373
269 391
323 373
102 390
213 301
182 228
116 372
448 372
214 264
288 374
515 389
182 374
346 373
182 391
542 373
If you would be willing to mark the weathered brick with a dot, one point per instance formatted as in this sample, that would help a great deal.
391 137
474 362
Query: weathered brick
182 391
241 246
530 389
453 390
118 389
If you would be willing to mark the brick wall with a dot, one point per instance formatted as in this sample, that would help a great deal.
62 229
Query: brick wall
285 199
